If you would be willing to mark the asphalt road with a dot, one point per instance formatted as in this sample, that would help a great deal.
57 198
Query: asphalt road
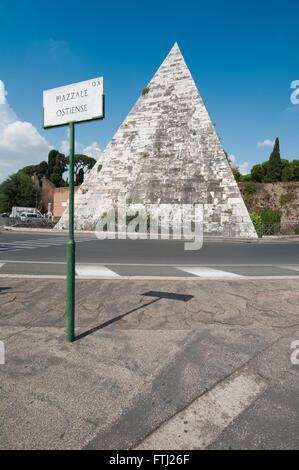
35 253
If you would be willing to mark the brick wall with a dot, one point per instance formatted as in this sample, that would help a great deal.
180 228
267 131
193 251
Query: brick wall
48 189
61 197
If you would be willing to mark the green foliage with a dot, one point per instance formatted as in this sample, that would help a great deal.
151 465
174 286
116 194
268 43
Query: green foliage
287 172
295 170
145 91
270 220
248 192
269 216
274 170
79 177
41 170
255 218
82 164
284 198
250 188
296 229
236 173
257 221
18 190
244 178
99 168
266 221
145 154
56 167
257 173
235 169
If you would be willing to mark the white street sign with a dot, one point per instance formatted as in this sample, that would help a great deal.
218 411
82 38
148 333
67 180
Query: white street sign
78 102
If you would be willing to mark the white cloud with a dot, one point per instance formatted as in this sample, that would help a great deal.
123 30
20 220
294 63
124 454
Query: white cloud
232 158
93 150
244 168
20 142
266 143
65 147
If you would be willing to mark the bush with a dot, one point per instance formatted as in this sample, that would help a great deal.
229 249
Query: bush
296 229
145 91
270 221
250 188
269 216
257 222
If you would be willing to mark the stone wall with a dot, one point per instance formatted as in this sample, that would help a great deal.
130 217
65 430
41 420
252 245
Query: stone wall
283 197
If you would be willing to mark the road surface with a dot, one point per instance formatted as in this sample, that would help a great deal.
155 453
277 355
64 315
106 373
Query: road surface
35 253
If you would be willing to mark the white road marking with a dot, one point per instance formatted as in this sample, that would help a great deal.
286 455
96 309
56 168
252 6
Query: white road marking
202 422
292 267
1 264
37 243
88 270
204 271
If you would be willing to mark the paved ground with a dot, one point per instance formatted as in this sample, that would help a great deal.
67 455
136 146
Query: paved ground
152 360
45 253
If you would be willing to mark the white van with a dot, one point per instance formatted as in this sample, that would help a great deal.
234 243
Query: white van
30 215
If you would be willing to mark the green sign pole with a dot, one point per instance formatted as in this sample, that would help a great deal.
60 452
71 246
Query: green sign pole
70 255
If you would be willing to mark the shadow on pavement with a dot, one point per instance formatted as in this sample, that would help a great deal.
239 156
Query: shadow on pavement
158 294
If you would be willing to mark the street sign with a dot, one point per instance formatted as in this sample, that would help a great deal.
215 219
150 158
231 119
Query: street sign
78 102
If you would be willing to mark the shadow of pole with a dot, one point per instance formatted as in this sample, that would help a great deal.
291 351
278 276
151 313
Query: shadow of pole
158 294
113 320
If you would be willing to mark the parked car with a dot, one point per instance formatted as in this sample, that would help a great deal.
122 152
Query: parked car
30 215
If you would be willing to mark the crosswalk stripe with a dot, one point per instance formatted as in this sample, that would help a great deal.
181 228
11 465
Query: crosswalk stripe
292 267
205 419
204 271
20 246
37 243
94 270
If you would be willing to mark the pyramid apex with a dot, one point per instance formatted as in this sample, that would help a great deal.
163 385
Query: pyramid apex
175 47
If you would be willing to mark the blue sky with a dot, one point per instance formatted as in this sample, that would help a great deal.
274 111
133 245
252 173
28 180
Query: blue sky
243 58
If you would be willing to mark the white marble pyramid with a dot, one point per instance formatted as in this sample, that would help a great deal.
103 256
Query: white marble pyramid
166 151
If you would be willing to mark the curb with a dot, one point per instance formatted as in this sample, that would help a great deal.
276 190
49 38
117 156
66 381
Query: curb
144 236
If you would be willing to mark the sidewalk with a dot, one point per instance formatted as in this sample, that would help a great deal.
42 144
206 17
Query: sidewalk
145 350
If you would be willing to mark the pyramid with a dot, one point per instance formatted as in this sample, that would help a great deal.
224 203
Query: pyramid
166 152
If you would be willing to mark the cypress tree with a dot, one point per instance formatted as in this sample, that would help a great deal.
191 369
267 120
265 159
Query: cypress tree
274 169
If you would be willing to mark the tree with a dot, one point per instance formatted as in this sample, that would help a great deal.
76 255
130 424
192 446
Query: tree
236 173
295 170
287 171
79 177
56 167
18 190
257 173
82 164
40 170
245 177
265 166
275 167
